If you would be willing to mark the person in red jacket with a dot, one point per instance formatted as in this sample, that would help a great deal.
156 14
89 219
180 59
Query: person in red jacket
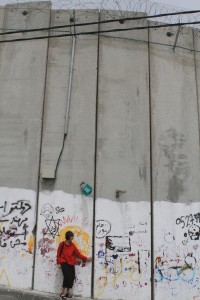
66 259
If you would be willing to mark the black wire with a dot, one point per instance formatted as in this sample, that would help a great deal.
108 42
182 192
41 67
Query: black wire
101 31
50 182
64 137
101 22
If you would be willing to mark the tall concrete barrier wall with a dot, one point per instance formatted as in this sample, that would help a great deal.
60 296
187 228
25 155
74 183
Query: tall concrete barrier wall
132 135
175 149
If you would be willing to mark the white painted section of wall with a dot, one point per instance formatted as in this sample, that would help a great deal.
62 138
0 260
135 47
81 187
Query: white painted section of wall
17 220
122 250
177 250
58 213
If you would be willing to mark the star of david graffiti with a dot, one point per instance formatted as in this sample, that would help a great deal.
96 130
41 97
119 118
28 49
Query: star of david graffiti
52 227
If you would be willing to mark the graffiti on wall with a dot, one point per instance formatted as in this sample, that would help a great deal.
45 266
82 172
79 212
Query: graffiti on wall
176 269
56 225
58 213
14 227
190 224
177 256
4 279
121 260
17 231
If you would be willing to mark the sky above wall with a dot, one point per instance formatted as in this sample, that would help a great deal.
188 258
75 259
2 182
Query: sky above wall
188 4
185 4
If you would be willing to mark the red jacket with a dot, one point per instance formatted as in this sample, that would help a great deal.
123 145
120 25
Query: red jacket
68 253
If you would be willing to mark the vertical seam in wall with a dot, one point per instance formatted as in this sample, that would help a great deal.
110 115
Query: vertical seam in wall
196 81
151 174
95 164
40 155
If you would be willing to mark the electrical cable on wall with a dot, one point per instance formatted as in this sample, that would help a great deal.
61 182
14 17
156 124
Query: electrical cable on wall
47 181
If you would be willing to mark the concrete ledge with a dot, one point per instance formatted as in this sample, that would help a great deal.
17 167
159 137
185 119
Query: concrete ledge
13 294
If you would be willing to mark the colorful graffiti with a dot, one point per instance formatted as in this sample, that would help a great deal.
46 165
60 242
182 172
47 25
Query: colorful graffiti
173 270
59 213
122 261
177 264
54 232
4 280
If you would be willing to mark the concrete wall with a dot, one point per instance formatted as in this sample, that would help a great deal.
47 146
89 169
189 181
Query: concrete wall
133 136
62 205
175 136
122 252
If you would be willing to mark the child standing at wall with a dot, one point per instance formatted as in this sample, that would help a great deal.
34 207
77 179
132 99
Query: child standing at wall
66 260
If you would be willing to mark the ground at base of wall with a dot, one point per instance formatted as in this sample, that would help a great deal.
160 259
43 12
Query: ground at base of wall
12 294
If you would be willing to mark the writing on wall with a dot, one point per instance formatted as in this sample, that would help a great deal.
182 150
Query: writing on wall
177 268
58 213
56 223
121 260
17 236
190 224
14 225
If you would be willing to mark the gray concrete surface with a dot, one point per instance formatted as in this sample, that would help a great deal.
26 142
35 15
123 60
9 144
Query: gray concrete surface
175 127
22 77
77 161
123 120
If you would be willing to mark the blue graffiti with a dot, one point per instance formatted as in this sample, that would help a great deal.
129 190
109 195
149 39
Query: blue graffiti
185 273
101 254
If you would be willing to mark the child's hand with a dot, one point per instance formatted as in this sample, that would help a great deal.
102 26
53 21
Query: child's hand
89 258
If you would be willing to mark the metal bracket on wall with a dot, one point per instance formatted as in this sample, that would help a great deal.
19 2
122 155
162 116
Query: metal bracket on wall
118 193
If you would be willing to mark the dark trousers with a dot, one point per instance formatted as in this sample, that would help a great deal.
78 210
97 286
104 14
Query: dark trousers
68 274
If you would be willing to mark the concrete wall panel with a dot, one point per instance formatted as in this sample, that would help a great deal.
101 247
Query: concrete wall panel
122 244
2 10
68 208
197 69
175 148
124 26
22 77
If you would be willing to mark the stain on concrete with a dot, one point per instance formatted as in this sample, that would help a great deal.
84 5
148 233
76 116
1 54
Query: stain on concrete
143 172
172 145
25 136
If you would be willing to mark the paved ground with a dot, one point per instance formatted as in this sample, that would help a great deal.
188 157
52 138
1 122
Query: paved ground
11 294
